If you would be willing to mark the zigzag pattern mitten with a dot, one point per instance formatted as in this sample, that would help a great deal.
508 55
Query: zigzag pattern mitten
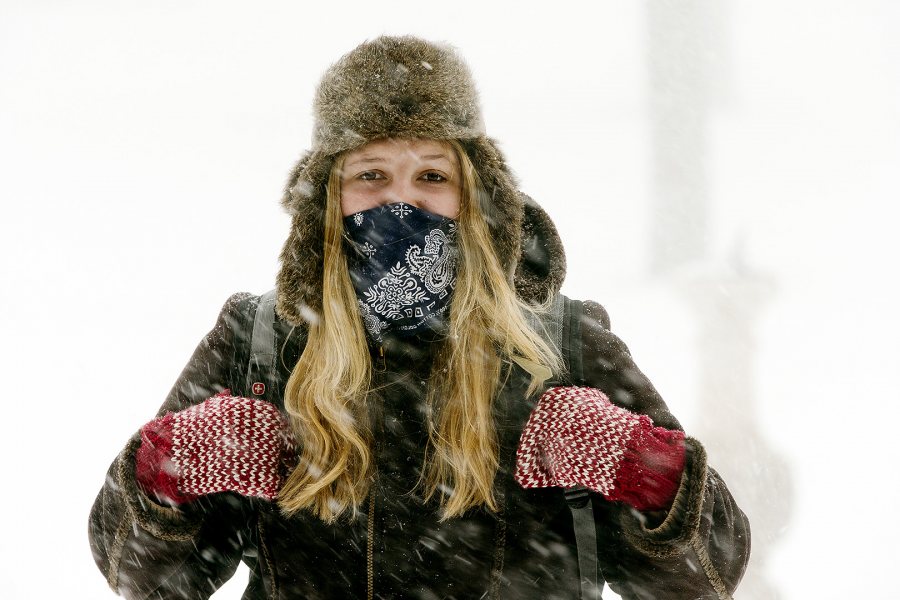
576 436
226 444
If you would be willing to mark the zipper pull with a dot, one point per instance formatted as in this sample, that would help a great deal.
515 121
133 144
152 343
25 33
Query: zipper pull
382 359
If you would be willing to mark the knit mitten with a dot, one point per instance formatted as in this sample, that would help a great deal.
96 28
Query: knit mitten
576 436
225 444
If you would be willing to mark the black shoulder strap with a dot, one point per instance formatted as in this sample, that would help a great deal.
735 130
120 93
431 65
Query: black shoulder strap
579 501
571 344
262 368
561 328
579 498
550 326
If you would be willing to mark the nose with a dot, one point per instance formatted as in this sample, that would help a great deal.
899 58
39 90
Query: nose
401 190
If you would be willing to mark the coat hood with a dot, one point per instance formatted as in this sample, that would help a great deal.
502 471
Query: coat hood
412 88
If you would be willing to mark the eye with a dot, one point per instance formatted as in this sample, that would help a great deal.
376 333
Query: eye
433 177
369 175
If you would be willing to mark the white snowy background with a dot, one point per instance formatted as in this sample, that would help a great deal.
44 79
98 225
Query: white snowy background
143 147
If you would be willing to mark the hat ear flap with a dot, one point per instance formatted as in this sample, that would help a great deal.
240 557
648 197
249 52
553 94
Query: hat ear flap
299 281
541 267
291 197
307 182
525 238
300 277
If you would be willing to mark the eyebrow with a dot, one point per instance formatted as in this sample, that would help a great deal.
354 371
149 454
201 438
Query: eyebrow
366 160
377 159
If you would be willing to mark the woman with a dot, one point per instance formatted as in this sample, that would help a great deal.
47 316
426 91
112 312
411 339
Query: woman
405 421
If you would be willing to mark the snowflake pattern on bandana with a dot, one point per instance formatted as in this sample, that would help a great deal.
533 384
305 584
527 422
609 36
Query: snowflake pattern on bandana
400 209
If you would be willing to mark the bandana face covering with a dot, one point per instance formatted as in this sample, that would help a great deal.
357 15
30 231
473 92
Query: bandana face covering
402 262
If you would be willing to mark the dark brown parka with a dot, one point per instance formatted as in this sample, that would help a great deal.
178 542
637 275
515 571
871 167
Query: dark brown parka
698 549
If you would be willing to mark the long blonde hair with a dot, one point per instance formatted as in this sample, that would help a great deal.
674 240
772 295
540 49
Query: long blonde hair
328 390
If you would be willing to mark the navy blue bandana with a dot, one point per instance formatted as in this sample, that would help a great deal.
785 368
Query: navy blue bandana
402 262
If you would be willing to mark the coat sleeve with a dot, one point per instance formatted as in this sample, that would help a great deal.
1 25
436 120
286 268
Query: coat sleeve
699 548
146 550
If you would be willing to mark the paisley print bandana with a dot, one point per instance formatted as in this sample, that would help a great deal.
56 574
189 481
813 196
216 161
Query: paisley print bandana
402 263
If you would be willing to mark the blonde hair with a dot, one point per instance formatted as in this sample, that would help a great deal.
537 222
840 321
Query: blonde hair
327 393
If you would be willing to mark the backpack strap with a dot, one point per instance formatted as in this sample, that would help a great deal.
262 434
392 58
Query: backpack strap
579 498
561 328
262 368
570 317
591 581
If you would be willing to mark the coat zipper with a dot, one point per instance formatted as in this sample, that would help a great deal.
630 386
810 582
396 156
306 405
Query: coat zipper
381 366
370 550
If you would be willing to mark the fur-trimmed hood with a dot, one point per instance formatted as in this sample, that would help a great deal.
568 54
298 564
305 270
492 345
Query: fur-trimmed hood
407 87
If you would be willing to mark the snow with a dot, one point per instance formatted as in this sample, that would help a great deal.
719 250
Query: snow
144 150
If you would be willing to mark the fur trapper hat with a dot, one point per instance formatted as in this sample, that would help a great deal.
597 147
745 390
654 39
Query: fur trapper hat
409 88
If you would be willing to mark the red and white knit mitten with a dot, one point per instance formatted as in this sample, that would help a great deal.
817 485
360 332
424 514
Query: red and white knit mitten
576 436
225 444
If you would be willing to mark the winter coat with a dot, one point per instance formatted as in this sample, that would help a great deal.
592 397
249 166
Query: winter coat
698 549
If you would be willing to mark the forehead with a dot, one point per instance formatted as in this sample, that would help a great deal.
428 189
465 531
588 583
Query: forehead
399 148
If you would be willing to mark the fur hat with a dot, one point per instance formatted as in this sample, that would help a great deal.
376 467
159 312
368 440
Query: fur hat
411 88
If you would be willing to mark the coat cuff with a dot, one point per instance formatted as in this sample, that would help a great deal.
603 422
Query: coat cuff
165 523
682 522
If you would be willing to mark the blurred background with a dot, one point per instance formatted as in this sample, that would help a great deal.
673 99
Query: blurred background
724 174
